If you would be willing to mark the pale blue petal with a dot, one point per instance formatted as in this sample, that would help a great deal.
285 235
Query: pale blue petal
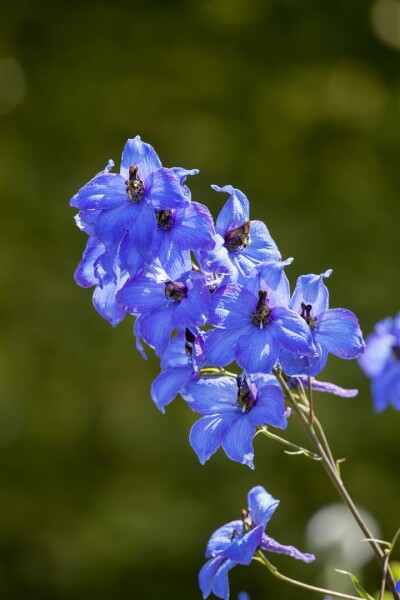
156 328
212 395
269 408
104 301
220 584
194 228
338 332
163 190
293 364
142 294
257 350
207 574
206 435
139 154
232 307
262 247
143 228
234 213
168 385
111 224
222 537
291 331
130 259
84 274
237 441
105 191
386 388
273 279
377 354
220 345
310 289
261 504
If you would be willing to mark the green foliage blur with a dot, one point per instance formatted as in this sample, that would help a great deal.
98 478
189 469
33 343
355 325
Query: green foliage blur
293 102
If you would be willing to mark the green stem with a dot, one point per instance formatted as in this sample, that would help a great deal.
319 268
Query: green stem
260 557
277 438
337 482
217 371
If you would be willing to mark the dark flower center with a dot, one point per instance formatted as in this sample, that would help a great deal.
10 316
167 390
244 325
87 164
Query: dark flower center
134 186
396 352
165 219
246 519
239 238
261 315
245 399
174 290
189 342
306 315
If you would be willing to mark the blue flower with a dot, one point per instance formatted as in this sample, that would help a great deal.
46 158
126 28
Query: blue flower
335 331
240 244
232 411
236 543
98 268
381 362
181 362
126 203
253 322
163 305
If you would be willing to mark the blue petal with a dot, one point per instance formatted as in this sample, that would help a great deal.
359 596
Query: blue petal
143 228
156 328
329 388
206 435
207 574
242 549
261 504
142 294
269 408
111 224
168 384
104 301
174 260
217 260
194 227
293 364
86 220
262 247
212 395
271 545
257 350
311 289
274 280
220 584
139 154
386 388
175 355
377 354
193 310
231 307
234 213
222 537
163 190
130 259
237 441
291 331
105 191
84 274
338 332
220 345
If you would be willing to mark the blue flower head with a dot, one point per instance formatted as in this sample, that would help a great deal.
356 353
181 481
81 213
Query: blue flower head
232 409
335 331
236 543
240 244
381 362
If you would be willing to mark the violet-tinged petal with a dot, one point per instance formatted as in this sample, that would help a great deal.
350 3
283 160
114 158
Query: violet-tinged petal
338 332
242 549
104 301
156 328
218 259
234 213
292 331
193 310
329 388
211 395
261 504
310 289
163 190
237 441
194 227
207 434
111 224
142 228
84 274
269 408
139 154
207 574
222 537
257 350
271 545
220 345
142 294
168 385
105 191
386 388
378 352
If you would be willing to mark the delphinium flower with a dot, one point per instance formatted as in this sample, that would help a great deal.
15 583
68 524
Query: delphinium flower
240 244
335 331
232 409
163 305
253 322
381 362
237 542
181 362
124 205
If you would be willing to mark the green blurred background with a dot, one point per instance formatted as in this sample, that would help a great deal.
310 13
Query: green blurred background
292 101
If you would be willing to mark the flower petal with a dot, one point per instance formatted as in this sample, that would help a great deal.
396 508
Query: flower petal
269 408
310 289
156 328
242 549
139 154
234 213
292 331
257 350
261 504
206 435
386 388
143 228
237 441
220 584
168 384
338 332
194 228
105 191
111 224
212 395
84 274
207 574
104 301
222 537
220 345
231 307
142 294
271 545
163 190
378 351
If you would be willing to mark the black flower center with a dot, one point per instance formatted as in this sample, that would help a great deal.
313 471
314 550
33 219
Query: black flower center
261 315
396 352
306 315
239 238
134 186
245 399
165 219
189 342
174 290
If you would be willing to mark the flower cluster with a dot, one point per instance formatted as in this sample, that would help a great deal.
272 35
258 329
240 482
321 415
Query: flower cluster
381 362
238 541
204 296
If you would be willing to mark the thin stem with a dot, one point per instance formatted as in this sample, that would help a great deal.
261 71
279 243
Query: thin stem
337 482
277 438
311 400
217 371
384 571
260 557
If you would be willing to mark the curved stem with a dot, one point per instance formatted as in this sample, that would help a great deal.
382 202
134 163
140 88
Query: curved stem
299 449
260 557
217 371
337 482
